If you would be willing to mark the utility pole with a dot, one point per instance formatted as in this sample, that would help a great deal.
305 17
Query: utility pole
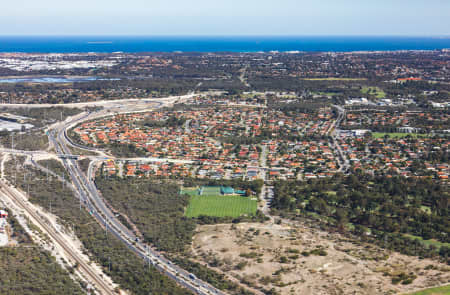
28 184
148 255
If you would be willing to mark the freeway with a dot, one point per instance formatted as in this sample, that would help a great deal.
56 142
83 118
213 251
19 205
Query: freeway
89 196
344 163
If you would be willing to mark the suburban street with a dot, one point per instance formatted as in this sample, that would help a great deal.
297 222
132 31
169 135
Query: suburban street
181 148
91 200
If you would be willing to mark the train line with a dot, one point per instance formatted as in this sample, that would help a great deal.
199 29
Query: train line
91 275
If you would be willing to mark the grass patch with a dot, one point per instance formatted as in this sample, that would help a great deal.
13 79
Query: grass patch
397 135
428 242
426 209
220 206
334 79
433 291
325 93
375 91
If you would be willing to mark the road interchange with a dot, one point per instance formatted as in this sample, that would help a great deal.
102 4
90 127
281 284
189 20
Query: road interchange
91 200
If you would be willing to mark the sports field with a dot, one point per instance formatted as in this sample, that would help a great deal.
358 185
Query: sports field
212 203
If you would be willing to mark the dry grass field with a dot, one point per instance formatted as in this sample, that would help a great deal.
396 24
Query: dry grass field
297 259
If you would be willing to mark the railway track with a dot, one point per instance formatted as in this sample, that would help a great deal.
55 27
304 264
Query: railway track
99 283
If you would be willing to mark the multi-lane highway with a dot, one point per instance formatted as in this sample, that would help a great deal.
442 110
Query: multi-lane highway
343 160
90 199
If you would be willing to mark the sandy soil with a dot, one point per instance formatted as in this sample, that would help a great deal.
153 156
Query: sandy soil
270 256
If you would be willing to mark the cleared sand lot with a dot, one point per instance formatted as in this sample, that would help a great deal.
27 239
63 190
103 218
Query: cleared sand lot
297 259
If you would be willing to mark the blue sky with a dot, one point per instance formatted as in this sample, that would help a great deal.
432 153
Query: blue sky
230 17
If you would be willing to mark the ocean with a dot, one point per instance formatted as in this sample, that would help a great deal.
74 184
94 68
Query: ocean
67 44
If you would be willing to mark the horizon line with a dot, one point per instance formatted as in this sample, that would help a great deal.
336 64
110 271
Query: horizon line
229 35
